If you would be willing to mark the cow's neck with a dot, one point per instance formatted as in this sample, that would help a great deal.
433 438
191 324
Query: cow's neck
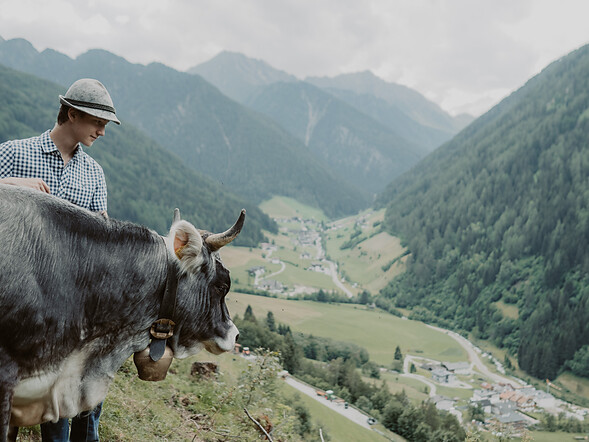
163 328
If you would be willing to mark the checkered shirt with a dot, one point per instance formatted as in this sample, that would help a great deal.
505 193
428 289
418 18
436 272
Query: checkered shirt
80 181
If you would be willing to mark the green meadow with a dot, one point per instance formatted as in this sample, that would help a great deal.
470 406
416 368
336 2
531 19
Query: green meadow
367 263
284 207
376 331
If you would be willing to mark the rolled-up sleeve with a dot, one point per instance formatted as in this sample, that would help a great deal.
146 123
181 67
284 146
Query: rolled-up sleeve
6 159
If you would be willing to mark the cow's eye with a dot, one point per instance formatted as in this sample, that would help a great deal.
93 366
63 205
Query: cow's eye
222 289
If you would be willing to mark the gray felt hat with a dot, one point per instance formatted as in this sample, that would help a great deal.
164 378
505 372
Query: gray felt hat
90 96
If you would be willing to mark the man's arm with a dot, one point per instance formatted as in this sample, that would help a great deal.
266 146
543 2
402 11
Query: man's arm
6 163
33 183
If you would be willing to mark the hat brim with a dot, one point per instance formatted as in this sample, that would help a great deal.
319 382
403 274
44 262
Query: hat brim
105 115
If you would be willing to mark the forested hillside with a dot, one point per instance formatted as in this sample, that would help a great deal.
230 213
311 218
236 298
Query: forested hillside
145 182
244 151
501 213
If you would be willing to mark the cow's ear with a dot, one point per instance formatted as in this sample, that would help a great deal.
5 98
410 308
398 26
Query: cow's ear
187 243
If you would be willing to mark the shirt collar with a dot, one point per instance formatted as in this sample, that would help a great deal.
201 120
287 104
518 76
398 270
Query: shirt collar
48 146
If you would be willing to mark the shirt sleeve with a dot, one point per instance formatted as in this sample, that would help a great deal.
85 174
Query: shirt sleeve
6 159
99 200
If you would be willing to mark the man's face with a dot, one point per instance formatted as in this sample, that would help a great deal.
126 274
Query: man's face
88 128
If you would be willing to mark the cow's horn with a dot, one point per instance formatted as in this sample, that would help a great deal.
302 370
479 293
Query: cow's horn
218 240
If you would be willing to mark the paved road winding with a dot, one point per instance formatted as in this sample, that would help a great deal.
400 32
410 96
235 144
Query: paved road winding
350 412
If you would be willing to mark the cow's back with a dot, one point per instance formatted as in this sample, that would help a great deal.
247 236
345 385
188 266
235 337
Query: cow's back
67 275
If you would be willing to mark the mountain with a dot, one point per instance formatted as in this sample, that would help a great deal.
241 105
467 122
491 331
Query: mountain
246 152
398 107
498 219
145 181
411 102
366 150
356 146
238 76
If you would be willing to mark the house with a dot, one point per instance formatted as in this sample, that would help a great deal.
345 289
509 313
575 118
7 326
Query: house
457 367
442 402
430 366
317 267
503 408
270 285
543 399
443 376
507 395
485 405
253 271
514 420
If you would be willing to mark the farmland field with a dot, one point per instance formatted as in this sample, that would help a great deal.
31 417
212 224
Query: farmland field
378 332
283 207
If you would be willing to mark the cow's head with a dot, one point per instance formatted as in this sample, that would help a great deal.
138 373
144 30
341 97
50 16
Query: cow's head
203 317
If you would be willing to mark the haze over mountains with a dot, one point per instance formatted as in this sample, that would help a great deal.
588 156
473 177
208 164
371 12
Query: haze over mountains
367 129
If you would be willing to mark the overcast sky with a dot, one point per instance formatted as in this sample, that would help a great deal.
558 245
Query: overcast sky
465 55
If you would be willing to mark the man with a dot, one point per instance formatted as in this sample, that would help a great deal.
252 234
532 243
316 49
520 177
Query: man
55 163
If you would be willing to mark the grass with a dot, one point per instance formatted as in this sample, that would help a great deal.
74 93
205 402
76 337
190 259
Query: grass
508 310
575 384
559 436
284 207
414 389
378 332
364 263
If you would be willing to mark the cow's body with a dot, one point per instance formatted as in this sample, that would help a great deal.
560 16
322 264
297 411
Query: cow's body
79 294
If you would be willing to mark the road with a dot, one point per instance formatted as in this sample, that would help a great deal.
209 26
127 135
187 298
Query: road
350 412
407 374
474 358
336 280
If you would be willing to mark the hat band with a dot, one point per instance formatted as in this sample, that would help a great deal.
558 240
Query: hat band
91 105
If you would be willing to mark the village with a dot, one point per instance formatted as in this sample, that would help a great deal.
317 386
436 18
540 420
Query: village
508 403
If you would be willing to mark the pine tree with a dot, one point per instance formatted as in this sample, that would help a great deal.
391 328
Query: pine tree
398 354
270 321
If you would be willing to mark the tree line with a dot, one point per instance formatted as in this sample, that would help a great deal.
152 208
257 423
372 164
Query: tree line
332 365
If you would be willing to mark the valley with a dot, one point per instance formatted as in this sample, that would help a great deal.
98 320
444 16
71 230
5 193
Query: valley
351 256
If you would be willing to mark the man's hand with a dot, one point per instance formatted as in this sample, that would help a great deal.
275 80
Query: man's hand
33 183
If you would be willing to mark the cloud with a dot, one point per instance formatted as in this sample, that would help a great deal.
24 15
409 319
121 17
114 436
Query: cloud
463 54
